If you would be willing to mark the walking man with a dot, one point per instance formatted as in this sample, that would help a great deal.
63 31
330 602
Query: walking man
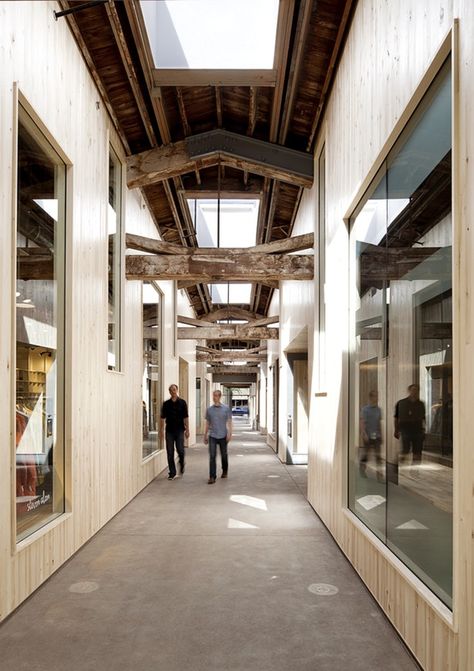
218 431
410 423
371 432
174 413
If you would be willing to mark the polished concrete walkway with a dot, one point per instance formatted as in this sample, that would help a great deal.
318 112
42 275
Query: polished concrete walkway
197 577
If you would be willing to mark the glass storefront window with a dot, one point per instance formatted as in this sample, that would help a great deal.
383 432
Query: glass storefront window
401 424
114 225
39 308
152 367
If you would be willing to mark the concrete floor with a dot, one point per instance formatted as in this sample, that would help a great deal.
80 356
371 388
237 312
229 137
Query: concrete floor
193 577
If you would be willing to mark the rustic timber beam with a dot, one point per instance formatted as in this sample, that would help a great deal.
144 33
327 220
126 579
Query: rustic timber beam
286 245
231 312
378 264
234 370
205 357
265 321
273 284
224 148
220 268
252 350
211 77
221 332
190 321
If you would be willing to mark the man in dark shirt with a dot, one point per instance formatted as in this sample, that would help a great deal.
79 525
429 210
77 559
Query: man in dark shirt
174 413
410 423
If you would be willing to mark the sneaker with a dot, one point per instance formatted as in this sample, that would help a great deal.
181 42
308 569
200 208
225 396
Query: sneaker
224 475
211 481
171 477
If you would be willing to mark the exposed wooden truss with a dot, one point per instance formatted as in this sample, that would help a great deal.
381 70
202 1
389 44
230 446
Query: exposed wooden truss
228 332
234 370
206 357
231 312
296 244
221 148
233 267
252 350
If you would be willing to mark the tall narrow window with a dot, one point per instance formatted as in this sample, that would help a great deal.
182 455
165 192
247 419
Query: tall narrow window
114 226
39 305
152 367
401 437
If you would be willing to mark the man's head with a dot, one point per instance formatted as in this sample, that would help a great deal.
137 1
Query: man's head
414 392
373 397
216 397
173 389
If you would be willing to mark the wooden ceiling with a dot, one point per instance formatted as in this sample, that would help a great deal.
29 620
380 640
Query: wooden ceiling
310 34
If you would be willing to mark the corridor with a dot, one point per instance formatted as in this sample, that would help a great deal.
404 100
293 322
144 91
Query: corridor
191 577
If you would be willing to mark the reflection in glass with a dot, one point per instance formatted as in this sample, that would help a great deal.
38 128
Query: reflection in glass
39 330
152 366
401 442
114 225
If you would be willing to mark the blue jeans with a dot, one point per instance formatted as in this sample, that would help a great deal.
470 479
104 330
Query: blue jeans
213 442
175 438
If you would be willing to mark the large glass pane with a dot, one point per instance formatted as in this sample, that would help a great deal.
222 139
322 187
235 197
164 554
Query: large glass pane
367 489
39 306
114 224
401 440
152 367
419 366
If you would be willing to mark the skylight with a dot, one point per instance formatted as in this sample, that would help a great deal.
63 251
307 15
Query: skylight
234 226
230 293
211 34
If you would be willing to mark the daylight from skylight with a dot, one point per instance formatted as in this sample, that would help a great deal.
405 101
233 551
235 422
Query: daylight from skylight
236 225
229 294
211 34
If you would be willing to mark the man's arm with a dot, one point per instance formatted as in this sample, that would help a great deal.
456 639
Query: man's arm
162 427
229 426
186 420
395 421
363 430
206 431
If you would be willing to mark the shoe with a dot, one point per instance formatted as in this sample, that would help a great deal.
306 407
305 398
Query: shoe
211 481
171 477
224 475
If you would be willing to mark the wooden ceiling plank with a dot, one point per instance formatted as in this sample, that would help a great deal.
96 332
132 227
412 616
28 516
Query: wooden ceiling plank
130 70
282 46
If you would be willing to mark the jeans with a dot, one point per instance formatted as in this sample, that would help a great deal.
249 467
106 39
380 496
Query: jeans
213 442
175 438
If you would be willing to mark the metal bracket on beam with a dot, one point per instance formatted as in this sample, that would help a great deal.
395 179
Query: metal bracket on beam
250 149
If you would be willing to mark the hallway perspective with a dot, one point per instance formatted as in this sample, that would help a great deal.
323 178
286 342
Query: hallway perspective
191 577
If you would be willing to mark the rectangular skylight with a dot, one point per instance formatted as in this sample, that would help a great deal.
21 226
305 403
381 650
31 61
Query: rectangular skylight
230 293
225 223
211 34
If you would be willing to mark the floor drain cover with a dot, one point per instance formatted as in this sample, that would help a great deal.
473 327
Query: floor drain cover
322 589
83 587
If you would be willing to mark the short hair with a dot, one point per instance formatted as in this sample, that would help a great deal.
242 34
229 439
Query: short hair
173 385
373 392
217 391
413 386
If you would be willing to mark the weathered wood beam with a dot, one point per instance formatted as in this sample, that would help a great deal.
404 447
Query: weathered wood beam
213 350
35 268
218 106
231 312
296 244
234 370
222 332
190 321
252 110
282 49
186 284
265 321
200 77
205 357
224 148
378 264
220 268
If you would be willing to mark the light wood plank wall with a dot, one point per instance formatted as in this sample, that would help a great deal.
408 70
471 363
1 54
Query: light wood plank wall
388 51
103 420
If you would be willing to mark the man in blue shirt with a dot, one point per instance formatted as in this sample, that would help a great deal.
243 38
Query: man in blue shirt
218 432
371 432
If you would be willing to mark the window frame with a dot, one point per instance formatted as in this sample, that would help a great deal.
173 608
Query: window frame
119 270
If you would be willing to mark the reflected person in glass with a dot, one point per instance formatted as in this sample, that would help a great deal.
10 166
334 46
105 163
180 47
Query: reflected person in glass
409 419
371 434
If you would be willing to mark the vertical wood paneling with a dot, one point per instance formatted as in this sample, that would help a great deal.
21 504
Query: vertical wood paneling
103 432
